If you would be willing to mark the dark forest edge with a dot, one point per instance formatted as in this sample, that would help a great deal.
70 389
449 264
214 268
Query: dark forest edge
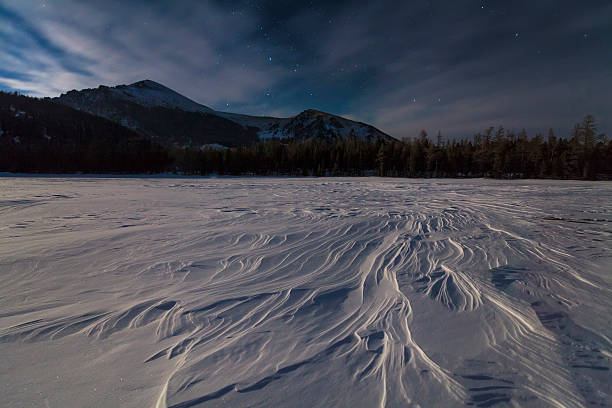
40 136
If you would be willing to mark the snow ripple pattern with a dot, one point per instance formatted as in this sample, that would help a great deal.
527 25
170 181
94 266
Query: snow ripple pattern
306 292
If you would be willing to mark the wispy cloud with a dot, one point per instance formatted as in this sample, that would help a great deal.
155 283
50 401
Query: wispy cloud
191 48
453 66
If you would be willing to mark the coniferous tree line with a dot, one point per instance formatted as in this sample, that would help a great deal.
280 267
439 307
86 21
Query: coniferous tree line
494 153
38 135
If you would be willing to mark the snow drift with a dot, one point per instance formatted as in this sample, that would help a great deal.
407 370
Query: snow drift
304 292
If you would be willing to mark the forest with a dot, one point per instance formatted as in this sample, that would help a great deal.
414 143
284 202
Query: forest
41 136
495 153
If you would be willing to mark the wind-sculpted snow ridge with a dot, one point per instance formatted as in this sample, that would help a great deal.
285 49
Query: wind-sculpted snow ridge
305 292
451 289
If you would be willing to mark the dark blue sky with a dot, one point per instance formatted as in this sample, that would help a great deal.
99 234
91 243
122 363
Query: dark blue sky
457 66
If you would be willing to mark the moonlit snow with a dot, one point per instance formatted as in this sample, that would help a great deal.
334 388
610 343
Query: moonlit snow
250 292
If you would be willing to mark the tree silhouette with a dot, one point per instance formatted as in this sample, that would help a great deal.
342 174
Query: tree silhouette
38 135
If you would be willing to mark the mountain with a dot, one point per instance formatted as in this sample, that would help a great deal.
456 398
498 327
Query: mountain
309 123
169 117
144 93
160 113
40 135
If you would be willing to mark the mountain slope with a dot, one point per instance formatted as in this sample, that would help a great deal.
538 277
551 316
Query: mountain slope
145 93
40 135
159 113
165 115
309 123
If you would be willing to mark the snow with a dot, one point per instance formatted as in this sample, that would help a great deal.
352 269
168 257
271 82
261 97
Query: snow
214 146
269 127
129 123
296 292
271 134
262 122
285 128
150 93
145 93
18 113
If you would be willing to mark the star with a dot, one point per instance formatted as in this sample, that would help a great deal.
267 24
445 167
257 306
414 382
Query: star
517 34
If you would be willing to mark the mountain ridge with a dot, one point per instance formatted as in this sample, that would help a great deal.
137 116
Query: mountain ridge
147 93
142 105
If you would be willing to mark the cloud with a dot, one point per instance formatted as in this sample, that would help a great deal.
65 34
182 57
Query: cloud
190 48
404 66
460 73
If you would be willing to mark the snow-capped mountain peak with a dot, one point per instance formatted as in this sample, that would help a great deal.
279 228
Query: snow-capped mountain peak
151 93
144 93
309 123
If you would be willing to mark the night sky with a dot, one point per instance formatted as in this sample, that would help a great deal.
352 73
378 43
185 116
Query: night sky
455 66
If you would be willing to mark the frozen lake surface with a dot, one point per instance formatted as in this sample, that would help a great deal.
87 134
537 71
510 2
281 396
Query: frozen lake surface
305 292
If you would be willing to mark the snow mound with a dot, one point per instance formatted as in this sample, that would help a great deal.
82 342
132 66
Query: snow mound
451 289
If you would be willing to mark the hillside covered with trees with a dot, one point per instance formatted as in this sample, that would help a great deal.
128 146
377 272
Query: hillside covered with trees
39 135
495 153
